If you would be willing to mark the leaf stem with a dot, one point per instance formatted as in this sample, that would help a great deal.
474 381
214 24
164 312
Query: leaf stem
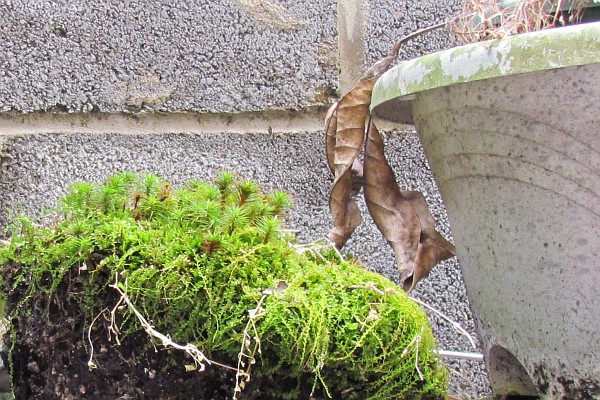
412 35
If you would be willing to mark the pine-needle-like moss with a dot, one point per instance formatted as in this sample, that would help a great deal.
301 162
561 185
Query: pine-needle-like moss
196 262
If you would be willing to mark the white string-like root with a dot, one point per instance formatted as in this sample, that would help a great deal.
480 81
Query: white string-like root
113 329
91 364
199 359
416 343
454 324
247 351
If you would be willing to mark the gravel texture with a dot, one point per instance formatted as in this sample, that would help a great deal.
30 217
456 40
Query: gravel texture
180 55
390 20
35 171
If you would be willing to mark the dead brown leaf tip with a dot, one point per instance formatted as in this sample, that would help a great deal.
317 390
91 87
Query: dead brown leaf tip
403 217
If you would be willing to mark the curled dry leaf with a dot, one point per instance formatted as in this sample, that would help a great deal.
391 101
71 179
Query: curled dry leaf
343 208
403 217
347 119
345 133
351 115
330 140
433 247
397 214
394 216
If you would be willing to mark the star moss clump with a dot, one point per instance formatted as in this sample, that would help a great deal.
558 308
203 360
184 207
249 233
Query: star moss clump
206 264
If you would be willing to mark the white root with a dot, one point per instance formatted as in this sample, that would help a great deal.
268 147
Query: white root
199 359
454 324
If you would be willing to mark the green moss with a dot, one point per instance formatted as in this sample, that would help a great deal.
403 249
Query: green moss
197 259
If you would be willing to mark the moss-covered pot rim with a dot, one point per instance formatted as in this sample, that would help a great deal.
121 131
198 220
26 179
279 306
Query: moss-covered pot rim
530 52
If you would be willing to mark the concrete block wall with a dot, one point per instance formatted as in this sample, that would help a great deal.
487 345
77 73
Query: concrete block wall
187 89
200 56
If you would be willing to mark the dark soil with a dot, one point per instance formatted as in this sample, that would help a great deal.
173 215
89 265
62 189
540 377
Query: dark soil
51 352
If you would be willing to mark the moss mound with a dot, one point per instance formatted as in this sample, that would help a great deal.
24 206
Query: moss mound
205 264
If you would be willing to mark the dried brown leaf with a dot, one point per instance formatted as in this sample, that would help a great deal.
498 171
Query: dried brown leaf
352 111
330 130
342 205
348 117
394 216
344 211
345 133
330 135
403 217
433 247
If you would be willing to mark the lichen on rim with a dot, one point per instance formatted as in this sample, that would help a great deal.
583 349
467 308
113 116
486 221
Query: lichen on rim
548 49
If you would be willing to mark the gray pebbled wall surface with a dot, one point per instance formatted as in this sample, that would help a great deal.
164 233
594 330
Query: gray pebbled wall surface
180 55
390 20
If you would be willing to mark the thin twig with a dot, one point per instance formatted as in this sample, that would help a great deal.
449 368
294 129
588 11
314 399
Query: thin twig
419 32
451 354
454 324
379 67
